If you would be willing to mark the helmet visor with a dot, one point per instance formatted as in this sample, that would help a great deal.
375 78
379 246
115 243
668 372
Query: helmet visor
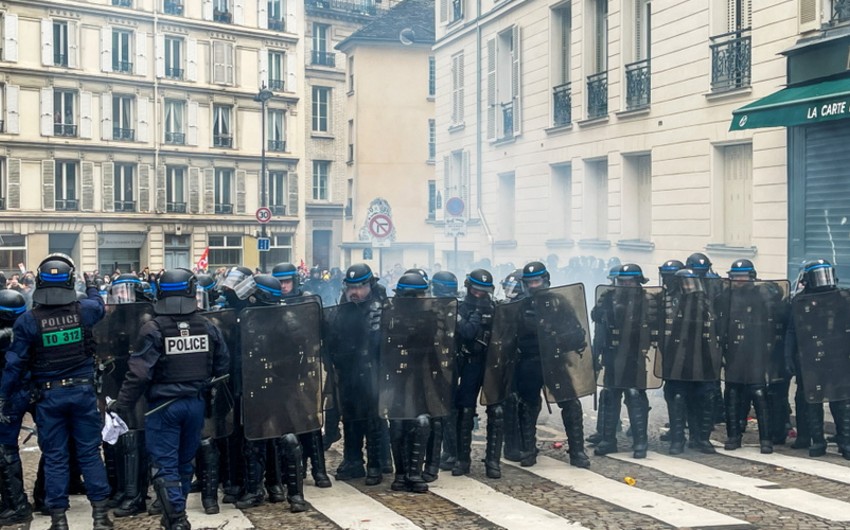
202 299
122 293
691 285
511 289
821 276
243 285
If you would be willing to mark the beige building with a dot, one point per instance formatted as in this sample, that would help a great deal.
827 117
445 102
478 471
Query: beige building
389 114
131 134
601 127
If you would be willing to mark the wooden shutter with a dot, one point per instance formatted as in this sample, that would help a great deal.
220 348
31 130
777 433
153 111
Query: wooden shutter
218 66
240 191
160 189
209 190
10 37
207 9
48 185
464 183
291 69
263 61
492 109
738 195
144 188
46 42
228 63
262 14
46 104
191 60
516 80
239 11
292 180
141 66
194 190
106 49
108 186
159 55
644 198
444 11
86 186
73 46
85 114
106 116
143 115
13 184
13 116
192 123
809 15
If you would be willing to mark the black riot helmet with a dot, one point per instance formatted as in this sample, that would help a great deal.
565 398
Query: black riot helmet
358 274
268 289
699 263
123 289
819 275
512 285
420 272
689 281
144 292
479 280
613 272
12 305
241 281
176 292
630 274
444 285
287 271
742 269
532 272
670 267
411 284
54 281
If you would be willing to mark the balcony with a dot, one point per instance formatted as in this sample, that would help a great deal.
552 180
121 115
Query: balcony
222 141
225 17
597 95
175 207
125 206
64 129
174 73
275 85
278 209
276 145
67 205
276 24
60 59
173 7
352 8
127 135
731 55
507 120
638 85
222 208
124 67
324 58
840 11
175 138
122 3
562 105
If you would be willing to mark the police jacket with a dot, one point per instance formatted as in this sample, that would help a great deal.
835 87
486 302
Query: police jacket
475 323
527 341
73 346
163 366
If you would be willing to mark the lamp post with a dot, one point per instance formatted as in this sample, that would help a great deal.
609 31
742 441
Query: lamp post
263 96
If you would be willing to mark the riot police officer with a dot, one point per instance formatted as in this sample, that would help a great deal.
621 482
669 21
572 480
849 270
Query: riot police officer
180 352
512 289
54 342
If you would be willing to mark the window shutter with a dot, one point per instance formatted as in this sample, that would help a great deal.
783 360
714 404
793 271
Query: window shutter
73 48
738 193
194 190
46 112
747 14
106 116
239 12
809 15
291 68
240 191
10 38
292 180
48 185
207 9
191 60
13 116
491 89
160 189
85 114
228 63
444 11
142 113
447 177
644 198
46 42
144 188
262 14
209 190
464 183
263 60
13 184
639 30
86 186
159 53
289 6
516 73
108 186
106 49
218 65
192 123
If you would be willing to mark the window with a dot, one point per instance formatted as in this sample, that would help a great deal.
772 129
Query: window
432 140
280 250
122 117
221 11
638 72
64 113
456 176
122 3
731 52
351 75
737 195
321 55
124 198
274 9
507 206
222 59
561 89
222 132
275 81
457 89
321 102
276 133
174 113
456 11
350 141
175 189
172 7
225 251
597 82
637 185
432 76
560 202
122 51
174 57
3 190
223 191
61 42
278 192
596 201
13 250
66 186
432 200
503 85
321 168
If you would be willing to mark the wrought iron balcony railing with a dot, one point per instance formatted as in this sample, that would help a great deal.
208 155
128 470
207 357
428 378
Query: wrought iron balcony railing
223 208
597 95
175 138
276 24
222 16
123 134
840 11
276 145
366 7
172 7
324 58
278 209
562 105
222 141
175 207
60 59
125 206
507 120
731 60
275 84
638 84
173 73
64 129
67 205
122 66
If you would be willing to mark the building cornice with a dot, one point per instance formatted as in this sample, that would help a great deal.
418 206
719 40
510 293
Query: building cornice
463 30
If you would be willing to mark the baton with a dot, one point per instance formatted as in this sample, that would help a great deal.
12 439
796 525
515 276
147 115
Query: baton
212 381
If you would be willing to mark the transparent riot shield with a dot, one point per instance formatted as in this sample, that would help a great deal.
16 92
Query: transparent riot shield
220 413
692 334
628 323
501 354
281 370
822 322
117 337
417 357
754 343
563 335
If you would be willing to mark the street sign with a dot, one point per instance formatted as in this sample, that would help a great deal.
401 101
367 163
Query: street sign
264 244
455 206
263 215
455 227
380 226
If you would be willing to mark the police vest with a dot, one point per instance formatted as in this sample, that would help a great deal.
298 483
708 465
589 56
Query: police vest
186 348
62 341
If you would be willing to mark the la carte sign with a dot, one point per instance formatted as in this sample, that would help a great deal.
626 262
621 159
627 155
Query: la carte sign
837 108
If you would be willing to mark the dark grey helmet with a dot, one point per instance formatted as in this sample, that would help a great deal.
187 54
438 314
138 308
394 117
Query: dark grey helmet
176 292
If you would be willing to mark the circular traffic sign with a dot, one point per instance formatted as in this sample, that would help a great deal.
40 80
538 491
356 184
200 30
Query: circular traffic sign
263 215
455 206
380 225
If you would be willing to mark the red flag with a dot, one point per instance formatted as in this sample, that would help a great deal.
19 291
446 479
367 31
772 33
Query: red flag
203 261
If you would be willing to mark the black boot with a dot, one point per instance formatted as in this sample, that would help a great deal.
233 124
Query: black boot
178 521
291 455
465 424
676 409
732 401
706 424
274 471
374 446
109 462
638 407
17 507
842 427
763 416
58 521
573 419
316 455
399 455
331 435
255 465
527 416
120 475
777 407
815 414
100 516
209 455
418 439
432 452
804 433
449 455
352 466
512 438
598 436
135 474
495 435
609 411
231 464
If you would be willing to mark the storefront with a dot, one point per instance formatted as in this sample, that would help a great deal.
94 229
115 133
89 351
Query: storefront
120 251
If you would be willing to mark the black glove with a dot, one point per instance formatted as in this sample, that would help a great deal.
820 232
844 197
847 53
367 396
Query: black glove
475 318
4 417
90 280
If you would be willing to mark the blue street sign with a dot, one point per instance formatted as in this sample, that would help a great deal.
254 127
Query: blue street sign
263 244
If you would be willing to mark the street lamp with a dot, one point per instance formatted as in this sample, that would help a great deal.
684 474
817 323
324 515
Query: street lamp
263 96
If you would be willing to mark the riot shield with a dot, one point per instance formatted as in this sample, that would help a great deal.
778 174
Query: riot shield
281 370
220 414
501 354
692 334
563 335
352 348
754 345
417 357
628 323
822 322
117 337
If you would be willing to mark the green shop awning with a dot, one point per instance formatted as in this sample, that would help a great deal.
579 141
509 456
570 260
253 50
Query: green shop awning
796 105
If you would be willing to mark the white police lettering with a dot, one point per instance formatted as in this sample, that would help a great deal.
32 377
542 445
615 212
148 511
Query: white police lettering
189 344
53 322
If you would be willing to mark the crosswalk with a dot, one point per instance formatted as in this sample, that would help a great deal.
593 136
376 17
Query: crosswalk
350 506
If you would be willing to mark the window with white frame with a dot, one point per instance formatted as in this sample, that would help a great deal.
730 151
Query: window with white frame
223 194
637 186
456 175
66 185
560 201
13 250
175 132
457 89
321 108
432 139
124 177
175 189
321 170
222 126
278 192
172 7
737 202
222 11
64 113
122 117
280 249
321 45
432 76
276 134
560 65
432 199
596 201
507 206
222 62
62 35
503 84
3 189
225 251
274 10
275 70
174 57
122 51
